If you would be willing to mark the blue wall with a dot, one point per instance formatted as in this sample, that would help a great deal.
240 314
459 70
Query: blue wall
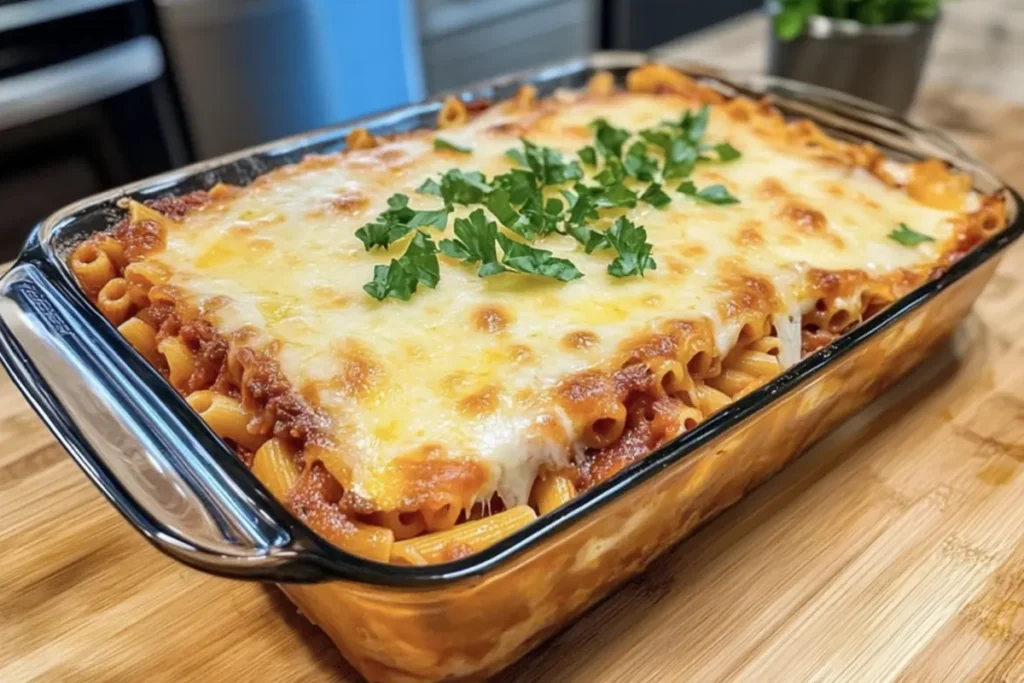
371 55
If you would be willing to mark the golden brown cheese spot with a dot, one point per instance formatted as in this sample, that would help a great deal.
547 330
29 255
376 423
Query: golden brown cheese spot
833 284
645 347
428 478
809 221
745 291
587 393
693 251
480 403
932 183
361 375
349 201
771 188
491 318
749 235
579 340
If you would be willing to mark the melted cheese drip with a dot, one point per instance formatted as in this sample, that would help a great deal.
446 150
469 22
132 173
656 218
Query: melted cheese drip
396 375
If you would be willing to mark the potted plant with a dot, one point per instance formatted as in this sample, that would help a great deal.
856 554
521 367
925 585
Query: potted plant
874 49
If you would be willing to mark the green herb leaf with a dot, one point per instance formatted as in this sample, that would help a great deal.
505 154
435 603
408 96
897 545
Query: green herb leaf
523 258
547 164
613 172
519 183
474 243
617 195
398 221
429 186
464 187
681 159
582 204
638 165
658 137
655 196
693 124
499 204
630 242
907 237
712 194
440 143
590 239
727 152
418 265
588 155
609 139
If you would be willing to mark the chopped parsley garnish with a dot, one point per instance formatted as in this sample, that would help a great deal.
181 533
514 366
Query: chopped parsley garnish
609 139
613 172
458 187
712 194
727 152
475 243
638 165
429 186
582 204
588 155
547 164
590 239
519 183
634 251
441 143
418 265
909 238
655 196
614 196
523 258
680 159
534 218
693 124
398 221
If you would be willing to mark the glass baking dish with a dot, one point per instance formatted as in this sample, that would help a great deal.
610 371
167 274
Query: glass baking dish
182 488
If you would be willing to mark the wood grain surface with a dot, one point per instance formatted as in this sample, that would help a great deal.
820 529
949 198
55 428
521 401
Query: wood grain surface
892 551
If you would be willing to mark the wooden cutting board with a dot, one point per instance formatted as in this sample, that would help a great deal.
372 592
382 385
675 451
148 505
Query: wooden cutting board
892 551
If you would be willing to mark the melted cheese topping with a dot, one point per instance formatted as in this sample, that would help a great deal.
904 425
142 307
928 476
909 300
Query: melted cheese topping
464 371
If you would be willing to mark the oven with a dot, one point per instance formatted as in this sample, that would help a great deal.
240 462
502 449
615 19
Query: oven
86 103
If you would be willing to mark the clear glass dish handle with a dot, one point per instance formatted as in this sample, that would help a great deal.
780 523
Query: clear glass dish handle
138 441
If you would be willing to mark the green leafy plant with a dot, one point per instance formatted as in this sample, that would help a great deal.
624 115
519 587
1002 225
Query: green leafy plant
791 16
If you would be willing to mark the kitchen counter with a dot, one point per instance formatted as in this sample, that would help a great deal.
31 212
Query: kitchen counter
892 550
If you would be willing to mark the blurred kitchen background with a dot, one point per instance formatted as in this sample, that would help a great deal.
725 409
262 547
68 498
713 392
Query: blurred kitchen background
96 93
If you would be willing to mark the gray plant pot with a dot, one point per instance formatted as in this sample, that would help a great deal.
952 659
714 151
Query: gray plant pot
883 64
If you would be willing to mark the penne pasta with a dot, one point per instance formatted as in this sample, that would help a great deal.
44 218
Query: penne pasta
552 490
274 465
369 541
453 113
464 539
399 341
142 337
114 301
226 417
180 361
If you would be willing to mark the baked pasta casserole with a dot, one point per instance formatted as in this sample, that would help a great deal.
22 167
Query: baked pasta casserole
421 343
